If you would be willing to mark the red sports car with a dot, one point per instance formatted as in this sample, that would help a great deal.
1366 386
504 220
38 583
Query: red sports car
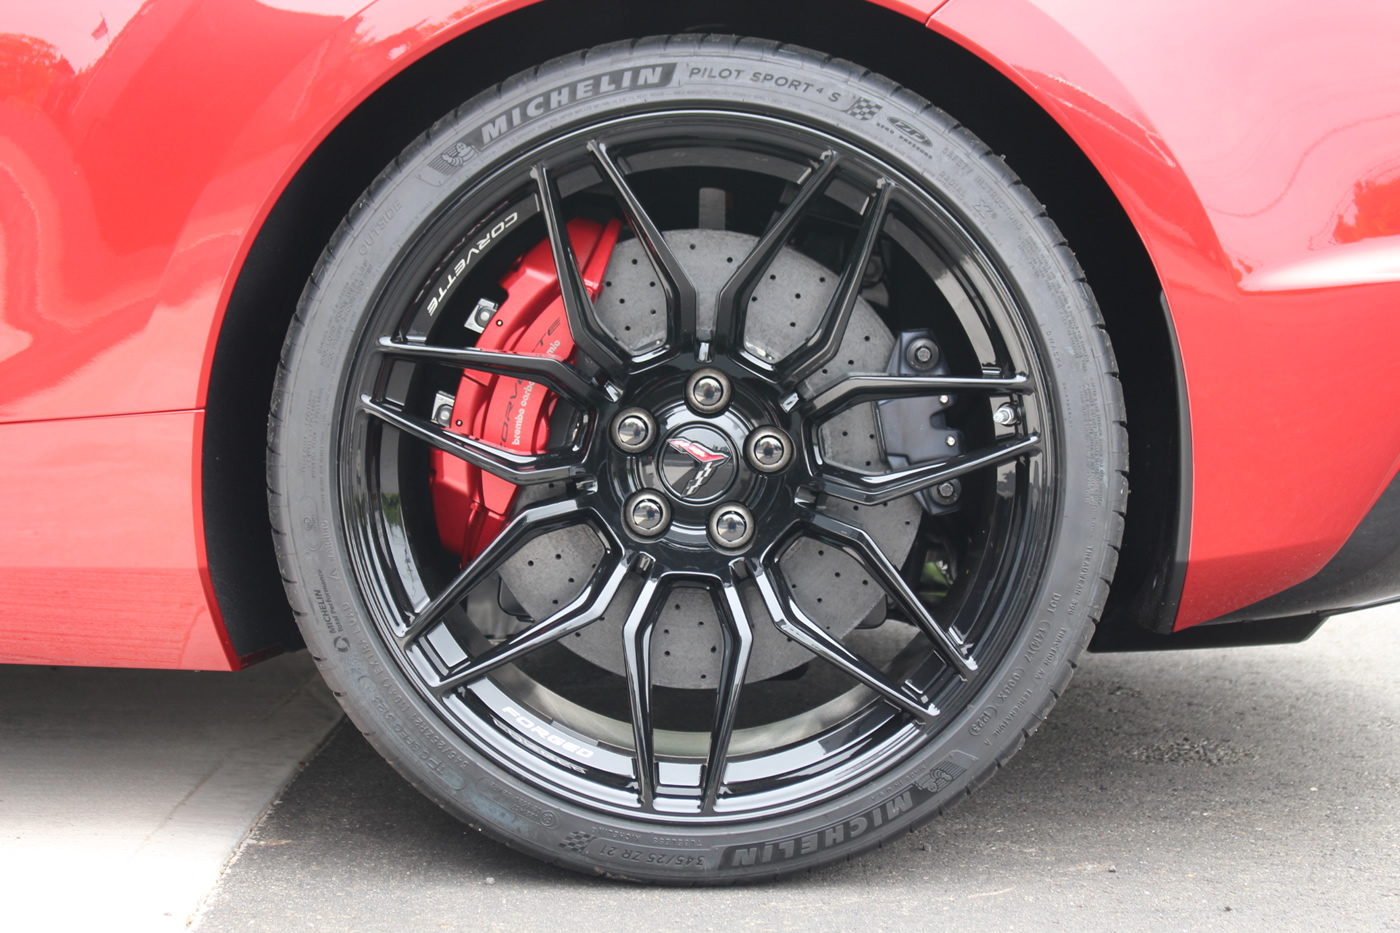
694 438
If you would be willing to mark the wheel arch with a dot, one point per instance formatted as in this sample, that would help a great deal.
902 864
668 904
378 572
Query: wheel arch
284 249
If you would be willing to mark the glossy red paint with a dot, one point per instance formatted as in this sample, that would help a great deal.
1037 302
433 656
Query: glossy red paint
1259 165
98 564
125 176
143 148
142 144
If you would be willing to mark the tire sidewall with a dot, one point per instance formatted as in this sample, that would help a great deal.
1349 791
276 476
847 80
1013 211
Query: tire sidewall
754 76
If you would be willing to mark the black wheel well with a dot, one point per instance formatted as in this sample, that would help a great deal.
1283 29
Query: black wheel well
241 561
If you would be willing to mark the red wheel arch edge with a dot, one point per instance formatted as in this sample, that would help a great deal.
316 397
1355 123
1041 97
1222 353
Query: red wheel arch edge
1060 74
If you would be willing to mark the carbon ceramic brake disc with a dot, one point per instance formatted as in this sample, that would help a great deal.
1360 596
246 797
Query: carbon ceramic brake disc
787 308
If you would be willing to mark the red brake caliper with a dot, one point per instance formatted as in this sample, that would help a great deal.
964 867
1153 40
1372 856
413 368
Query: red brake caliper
472 506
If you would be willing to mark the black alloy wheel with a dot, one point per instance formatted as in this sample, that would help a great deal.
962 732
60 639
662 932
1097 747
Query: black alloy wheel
697 460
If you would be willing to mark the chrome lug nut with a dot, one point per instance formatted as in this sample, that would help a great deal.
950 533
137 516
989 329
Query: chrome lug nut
922 354
768 449
731 525
707 391
647 513
947 492
633 430
1005 415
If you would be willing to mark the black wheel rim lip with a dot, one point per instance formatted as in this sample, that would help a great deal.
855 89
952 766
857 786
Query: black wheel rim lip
360 487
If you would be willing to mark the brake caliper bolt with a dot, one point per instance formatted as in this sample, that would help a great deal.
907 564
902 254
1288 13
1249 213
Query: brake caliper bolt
731 525
768 450
1005 415
443 404
633 430
922 354
707 391
647 513
947 492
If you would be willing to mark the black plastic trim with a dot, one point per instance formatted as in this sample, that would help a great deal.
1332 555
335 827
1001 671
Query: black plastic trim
1152 565
1174 574
1289 631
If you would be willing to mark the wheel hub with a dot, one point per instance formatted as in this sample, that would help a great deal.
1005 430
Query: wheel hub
698 463
702 461
687 529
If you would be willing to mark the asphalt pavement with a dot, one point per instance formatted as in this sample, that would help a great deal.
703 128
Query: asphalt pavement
1250 789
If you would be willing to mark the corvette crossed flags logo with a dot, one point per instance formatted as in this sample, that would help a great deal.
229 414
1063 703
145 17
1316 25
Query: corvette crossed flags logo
705 458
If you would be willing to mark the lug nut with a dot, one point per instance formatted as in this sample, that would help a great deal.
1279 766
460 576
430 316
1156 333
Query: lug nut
1005 415
707 391
947 492
768 449
633 430
731 525
922 354
647 513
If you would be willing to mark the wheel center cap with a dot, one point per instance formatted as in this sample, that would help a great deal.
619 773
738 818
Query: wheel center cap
697 463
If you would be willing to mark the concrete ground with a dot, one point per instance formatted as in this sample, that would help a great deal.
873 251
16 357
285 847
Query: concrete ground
124 793
1253 789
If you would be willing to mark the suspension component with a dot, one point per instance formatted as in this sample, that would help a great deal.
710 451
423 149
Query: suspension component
915 430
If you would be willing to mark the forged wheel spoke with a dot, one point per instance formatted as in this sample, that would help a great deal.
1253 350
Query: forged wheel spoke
592 344
885 487
854 390
680 291
793 623
693 462
856 542
520 469
738 645
729 311
554 374
585 610
533 521
636 654
821 347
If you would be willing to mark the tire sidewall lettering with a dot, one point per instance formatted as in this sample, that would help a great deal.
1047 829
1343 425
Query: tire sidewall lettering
386 703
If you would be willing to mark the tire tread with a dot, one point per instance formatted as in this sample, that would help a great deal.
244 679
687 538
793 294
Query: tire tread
839 69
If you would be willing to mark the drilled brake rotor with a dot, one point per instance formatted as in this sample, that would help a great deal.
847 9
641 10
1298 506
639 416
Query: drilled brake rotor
832 588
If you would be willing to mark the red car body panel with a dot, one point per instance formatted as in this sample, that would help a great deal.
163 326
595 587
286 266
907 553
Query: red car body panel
109 567
1255 148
